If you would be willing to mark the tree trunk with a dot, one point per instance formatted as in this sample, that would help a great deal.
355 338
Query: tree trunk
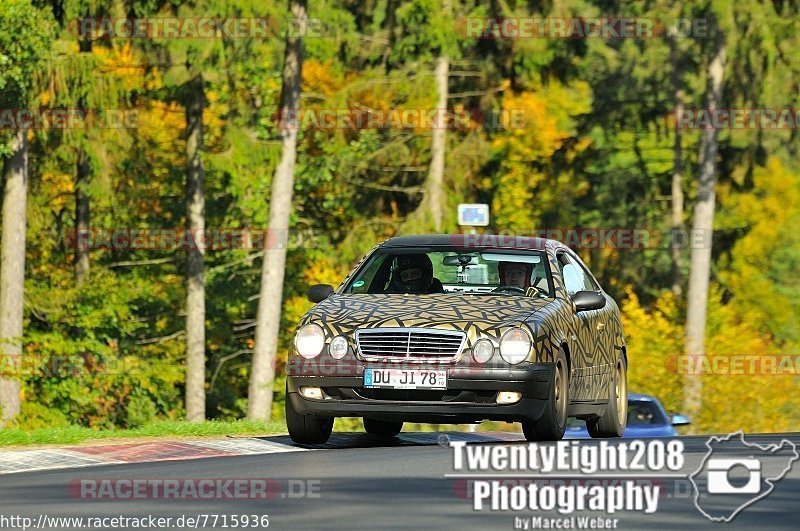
677 200
12 272
82 177
700 266
435 183
262 373
195 281
84 171
677 173
388 24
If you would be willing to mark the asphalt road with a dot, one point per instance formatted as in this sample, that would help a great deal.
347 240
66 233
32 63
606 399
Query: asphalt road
364 482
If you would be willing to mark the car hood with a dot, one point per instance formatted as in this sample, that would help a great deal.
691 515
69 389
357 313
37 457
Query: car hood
631 432
487 314
664 430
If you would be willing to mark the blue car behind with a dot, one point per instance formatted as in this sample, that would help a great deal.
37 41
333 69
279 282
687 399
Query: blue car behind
646 418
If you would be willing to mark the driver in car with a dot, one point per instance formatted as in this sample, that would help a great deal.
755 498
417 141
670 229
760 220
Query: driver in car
515 274
413 273
644 415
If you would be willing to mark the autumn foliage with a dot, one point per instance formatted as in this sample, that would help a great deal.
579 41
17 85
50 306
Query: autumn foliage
585 139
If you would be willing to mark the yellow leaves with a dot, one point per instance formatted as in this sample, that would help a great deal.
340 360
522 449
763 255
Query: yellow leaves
543 119
155 80
581 145
161 324
654 342
539 123
318 79
657 366
123 63
322 271
568 101
294 308
513 198
538 134
172 279
213 118
273 85
767 395
761 293
60 187
532 136
161 125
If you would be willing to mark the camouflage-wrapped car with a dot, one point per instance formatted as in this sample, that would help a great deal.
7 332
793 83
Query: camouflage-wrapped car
459 329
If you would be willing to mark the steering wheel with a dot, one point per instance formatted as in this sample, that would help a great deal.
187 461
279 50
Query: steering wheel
542 291
509 289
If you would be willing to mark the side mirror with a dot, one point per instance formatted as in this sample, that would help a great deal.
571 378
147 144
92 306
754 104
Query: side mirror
680 420
319 292
588 300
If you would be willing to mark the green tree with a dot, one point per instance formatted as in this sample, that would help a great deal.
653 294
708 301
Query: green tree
262 375
23 50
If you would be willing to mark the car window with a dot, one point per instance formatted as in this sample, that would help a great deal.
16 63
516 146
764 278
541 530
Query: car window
368 277
574 277
642 413
588 281
445 270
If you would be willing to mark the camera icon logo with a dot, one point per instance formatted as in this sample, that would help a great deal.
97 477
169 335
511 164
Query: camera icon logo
736 473
719 483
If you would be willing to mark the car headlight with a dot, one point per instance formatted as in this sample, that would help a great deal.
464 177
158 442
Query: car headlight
515 346
338 347
483 351
309 340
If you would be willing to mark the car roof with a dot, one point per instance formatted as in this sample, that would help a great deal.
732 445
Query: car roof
481 241
642 398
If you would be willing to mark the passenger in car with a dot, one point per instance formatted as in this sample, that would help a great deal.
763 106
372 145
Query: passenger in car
515 274
413 273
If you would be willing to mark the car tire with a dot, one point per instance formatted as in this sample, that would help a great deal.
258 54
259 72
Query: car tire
307 429
553 422
382 428
614 420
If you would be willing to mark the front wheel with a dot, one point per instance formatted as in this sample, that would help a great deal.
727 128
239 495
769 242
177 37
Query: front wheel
553 422
382 428
613 422
307 429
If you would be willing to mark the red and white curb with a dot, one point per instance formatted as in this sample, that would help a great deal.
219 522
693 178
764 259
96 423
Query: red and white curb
113 454
147 452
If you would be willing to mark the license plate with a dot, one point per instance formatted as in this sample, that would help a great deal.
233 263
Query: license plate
405 379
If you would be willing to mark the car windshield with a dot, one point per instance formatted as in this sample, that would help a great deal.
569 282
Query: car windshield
474 272
643 413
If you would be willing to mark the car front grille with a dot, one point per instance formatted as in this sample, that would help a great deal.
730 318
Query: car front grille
409 344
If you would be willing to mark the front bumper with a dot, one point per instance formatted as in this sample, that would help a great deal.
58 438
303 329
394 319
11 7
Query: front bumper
470 396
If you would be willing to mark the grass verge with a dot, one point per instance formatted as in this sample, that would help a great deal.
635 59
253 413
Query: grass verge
169 428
